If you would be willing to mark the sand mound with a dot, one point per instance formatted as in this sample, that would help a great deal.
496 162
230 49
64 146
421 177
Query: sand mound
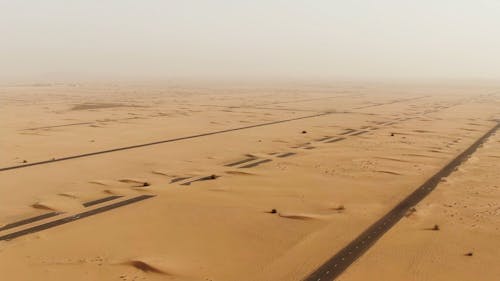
132 180
114 191
99 182
298 216
239 173
136 182
418 155
69 195
43 206
162 173
144 266
58 204
388 172
153 265
337 208
393 159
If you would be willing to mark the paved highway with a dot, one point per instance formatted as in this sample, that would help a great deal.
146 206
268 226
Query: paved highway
332 268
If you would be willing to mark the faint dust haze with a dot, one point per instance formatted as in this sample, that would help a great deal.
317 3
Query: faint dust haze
56 39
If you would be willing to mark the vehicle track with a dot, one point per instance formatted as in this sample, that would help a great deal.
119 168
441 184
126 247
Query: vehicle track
337 264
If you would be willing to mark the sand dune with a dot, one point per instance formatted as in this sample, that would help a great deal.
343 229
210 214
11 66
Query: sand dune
135 182
63 203
147 266
244 183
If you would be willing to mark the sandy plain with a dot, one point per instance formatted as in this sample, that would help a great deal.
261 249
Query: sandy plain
330 159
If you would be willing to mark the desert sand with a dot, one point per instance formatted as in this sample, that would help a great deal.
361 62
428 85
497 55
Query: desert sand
244 182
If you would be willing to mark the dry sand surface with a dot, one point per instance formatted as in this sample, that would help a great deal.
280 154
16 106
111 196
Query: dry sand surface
306 170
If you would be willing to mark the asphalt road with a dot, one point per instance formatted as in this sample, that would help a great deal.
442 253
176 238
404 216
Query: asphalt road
72 218
156 142
337 264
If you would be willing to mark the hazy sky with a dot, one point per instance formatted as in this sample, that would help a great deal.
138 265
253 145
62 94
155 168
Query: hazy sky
352 39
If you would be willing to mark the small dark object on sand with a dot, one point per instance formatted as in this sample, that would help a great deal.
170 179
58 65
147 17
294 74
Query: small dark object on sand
273 211
339 208
469 254
146 184
392 134
24 161
304 132
212 177
436 227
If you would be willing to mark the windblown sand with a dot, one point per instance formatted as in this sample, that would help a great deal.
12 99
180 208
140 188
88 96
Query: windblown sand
269 202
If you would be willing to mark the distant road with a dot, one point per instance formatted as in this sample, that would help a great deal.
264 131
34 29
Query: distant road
392 102
25 165
158 142
332 268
